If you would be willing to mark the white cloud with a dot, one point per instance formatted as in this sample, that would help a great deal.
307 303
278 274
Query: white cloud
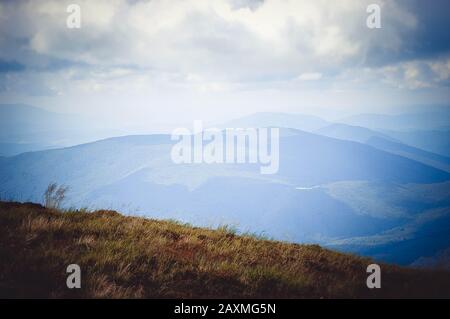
212 52
214 38
309 76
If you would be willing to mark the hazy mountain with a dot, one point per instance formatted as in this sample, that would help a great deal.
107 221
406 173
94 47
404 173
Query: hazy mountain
136 175
306 159
25 128
302 122
425 210
350 132
11 149
311 159
435 141
401 122
18 120
428 158
385 143
423 130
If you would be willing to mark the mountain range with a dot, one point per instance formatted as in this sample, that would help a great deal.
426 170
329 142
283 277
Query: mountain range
368 194
344 186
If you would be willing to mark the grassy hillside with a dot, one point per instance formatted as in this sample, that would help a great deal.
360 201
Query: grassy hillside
129 257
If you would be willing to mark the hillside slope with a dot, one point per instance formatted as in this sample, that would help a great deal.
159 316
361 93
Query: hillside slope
122 257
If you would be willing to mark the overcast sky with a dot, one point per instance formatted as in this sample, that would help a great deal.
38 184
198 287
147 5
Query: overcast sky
143 62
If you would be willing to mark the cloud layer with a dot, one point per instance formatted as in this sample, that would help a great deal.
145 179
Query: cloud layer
221 45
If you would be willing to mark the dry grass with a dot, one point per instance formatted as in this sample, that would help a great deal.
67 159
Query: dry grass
129 257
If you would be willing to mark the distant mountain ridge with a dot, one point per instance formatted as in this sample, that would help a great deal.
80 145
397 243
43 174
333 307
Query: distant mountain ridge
400 122
435 141
428 158
135 174
356 189
267 119
384 142
25 128
350 132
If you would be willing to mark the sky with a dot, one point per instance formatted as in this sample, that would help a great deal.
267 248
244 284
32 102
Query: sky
149 62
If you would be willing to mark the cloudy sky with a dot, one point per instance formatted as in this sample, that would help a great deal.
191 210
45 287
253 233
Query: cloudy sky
155 61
